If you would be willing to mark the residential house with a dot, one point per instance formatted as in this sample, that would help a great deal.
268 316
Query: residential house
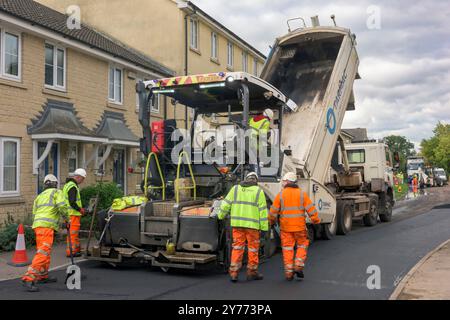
67 100
179 34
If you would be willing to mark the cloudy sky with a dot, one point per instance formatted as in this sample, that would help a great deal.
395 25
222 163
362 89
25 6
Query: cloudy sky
404 64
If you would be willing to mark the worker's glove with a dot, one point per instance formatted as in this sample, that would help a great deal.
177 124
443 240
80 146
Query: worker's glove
83 211
316 221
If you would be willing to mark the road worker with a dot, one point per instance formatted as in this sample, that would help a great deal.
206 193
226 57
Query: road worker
71 192
247 207
48 207
289 207
260 125
414 185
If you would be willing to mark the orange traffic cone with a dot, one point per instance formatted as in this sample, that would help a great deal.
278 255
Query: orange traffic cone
20 258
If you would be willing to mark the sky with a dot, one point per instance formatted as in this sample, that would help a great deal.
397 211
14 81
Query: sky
403 47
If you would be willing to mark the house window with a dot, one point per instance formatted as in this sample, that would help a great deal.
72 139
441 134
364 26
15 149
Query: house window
155 104
255 67
137 95
73 157
230 54
244 61
9 166
214 45
10 54
102 168
115 85
194 34
55 66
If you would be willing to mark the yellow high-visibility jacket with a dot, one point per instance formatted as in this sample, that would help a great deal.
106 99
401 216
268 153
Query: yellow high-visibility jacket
247 208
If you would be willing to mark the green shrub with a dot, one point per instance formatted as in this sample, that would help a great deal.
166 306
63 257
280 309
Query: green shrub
8 234
107 193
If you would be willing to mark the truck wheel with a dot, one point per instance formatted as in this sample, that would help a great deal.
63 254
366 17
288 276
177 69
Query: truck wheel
344 216
371 218
386 216
328 230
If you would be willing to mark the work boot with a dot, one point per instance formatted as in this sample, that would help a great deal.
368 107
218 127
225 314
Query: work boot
300 274
48 280
234 278
30 286
254 276
290 277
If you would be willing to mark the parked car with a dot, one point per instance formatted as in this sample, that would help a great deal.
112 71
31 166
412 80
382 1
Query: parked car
440 177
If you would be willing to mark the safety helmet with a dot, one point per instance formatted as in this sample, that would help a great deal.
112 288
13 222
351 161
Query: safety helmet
290 176
50 178
268 113
80 172
251 175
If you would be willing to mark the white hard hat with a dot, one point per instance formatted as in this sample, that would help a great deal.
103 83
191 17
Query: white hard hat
50 178
290 176
251 174
80 172
268 113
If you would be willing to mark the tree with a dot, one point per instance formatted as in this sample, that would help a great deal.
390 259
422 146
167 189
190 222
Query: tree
402 146
437 148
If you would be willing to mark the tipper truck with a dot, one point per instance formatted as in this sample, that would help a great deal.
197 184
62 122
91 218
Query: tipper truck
308 83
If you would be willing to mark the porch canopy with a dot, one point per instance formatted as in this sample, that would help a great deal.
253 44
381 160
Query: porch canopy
113 127
58 121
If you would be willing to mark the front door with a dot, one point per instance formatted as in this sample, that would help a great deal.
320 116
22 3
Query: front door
48 166
119 168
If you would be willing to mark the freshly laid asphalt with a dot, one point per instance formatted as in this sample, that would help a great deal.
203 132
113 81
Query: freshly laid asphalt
336 269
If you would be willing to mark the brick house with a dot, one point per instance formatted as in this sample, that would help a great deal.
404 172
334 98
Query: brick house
67 100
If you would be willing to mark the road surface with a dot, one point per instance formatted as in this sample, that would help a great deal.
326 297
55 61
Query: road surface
336 269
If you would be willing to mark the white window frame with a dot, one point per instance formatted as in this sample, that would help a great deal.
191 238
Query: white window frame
100 153
230 54
137 94
214 46
17 191
55 67
3 74
255 66
70 145
115 99
194 32
155 107
245 61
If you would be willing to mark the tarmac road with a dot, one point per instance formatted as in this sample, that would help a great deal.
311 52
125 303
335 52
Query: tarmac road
336 269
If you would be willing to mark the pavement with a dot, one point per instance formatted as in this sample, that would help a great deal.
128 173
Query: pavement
59 260
338 269
425 280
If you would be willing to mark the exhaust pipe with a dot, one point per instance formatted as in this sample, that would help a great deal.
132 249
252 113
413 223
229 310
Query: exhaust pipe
315 21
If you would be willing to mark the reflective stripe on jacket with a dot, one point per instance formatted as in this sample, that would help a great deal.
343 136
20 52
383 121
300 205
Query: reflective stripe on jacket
48 207
247 208
69 185
126 202
290 205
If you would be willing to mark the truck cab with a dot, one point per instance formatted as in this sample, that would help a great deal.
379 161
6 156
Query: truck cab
374 161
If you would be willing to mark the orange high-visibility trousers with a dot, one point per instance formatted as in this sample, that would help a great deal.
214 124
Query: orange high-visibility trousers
75 223
288 242
241 238
41 261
